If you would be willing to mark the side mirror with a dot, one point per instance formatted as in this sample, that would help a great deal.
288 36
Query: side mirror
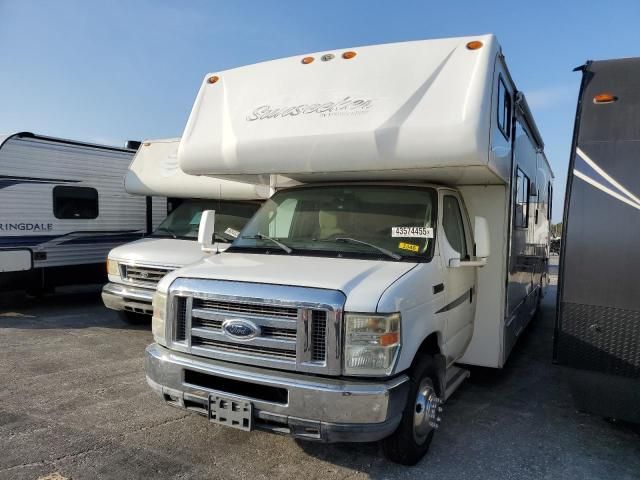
481 234
206 230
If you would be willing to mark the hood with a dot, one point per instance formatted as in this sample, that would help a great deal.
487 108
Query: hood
362 281
161 251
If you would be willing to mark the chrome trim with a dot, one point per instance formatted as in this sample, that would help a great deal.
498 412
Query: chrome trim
303 299
117 297
355 403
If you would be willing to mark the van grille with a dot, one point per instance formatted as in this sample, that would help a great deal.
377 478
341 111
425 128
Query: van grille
279 327
144 276
181 319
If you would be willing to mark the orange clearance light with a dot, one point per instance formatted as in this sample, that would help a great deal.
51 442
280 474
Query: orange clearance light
307 60
146 144
213 79
474 45
390 338
348 55
604 98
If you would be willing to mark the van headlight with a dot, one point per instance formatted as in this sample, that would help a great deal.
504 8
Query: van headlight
158 323
372 343
112 267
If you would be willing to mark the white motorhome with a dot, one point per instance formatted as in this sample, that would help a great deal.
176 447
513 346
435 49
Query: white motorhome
407 236
135 268
62 208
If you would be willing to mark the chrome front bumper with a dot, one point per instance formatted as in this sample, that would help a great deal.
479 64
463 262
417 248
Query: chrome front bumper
309 407
123 297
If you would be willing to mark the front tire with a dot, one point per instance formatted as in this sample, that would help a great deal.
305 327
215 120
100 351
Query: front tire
420 417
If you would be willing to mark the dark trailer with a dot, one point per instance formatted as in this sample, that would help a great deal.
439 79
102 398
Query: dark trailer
598 322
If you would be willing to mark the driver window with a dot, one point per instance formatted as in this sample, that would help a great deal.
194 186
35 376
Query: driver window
453 225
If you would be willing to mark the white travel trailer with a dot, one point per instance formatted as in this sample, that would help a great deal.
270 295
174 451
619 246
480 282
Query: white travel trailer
62 208
415 240
135 268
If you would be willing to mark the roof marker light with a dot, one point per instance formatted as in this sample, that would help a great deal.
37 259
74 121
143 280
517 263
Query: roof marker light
307 60
348 55
604 98
327 57
474 45
213 79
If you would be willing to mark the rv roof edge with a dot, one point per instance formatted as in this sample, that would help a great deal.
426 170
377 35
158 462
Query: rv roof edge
318 122
154 171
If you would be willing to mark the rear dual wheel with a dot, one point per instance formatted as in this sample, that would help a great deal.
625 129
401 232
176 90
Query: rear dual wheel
420 417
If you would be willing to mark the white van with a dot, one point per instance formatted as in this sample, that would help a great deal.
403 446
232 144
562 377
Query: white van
408 234
135 268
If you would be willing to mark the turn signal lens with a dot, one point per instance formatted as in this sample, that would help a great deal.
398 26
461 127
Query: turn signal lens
604 98
348 55
307 60
213 79
112 267
474 45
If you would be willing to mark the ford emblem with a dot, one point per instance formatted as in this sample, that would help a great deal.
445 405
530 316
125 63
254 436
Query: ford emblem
240 329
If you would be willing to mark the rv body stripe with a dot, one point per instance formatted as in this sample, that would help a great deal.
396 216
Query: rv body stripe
604 189
607 177
8 181
458 301
74 238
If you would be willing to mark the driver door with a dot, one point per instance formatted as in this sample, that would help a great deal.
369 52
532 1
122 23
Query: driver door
460 282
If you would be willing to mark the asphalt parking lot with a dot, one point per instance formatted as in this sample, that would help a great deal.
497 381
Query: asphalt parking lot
74 403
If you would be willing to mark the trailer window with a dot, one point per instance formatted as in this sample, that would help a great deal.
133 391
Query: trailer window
522 200
75 202
453 225
504 109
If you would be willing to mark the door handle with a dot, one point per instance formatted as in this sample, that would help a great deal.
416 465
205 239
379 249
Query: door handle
438 288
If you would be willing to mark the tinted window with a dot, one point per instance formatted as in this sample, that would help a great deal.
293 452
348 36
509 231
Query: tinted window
75 202
522 200
504 109
453 225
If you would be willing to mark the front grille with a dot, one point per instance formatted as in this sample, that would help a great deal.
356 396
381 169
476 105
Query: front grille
268 326
181 319
145 276
278 326
247 308
242 348
318 336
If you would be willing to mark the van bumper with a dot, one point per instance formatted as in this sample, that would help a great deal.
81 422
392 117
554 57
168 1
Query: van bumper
308 407
124 297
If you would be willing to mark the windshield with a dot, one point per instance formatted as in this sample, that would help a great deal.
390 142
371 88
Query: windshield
184 221
361 221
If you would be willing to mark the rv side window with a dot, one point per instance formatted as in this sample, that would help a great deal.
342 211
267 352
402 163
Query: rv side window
522 200
453 225
75 202
504 109
549 200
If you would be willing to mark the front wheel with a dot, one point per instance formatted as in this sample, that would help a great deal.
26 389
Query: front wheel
420 418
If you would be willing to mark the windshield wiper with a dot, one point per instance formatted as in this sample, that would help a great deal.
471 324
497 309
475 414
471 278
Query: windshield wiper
165 229
260 236
388 253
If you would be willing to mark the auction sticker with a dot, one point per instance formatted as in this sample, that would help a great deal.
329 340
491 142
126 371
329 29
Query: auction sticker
412 232
409 246
232 233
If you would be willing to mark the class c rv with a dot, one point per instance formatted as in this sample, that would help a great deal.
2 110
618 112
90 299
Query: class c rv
407 235
597 335
62 208
135 268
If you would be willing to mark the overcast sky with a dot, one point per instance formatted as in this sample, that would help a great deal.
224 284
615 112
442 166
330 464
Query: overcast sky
107 71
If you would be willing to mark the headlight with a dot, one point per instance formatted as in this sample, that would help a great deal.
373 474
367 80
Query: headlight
372 343
158 320
112 267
